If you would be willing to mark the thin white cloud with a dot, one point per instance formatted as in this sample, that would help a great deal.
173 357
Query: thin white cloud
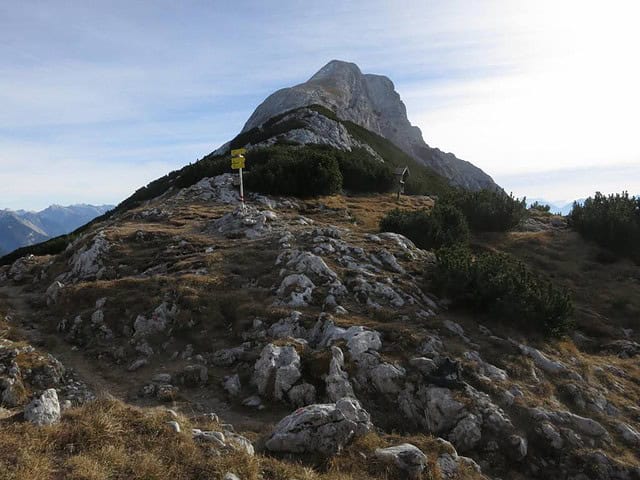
134 87
565 185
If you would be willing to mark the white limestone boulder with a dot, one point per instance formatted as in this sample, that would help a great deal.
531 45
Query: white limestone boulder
43 410
320 428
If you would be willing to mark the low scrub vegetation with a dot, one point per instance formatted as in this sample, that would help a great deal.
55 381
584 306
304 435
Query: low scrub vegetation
361 172
488 210
540 207
444 225
503 286
612 221
300 172
315 170
107 439
454 216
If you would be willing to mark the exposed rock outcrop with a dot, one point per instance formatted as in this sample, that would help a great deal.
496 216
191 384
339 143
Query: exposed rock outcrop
321 428
372 102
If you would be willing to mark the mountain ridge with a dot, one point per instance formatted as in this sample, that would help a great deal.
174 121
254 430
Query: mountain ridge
19 228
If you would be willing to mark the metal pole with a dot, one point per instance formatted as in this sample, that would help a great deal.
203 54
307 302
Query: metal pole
241 190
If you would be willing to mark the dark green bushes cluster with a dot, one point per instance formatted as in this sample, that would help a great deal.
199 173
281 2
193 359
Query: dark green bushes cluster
492 283
361 172
612 221
540 207
443 226
315 170
454 215
501 285
301 172
488 210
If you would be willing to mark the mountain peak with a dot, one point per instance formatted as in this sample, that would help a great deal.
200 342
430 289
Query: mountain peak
336 69
372 102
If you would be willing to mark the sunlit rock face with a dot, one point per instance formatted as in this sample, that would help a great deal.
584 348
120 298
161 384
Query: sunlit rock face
372 102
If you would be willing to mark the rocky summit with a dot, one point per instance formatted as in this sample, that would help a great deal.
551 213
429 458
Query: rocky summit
372 102
188 337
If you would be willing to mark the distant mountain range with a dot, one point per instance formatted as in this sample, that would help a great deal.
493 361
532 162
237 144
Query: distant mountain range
21 228
561 208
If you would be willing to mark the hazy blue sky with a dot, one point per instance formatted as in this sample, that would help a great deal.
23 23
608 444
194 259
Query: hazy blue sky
99 98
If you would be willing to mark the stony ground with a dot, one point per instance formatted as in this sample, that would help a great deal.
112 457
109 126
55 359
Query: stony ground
295 334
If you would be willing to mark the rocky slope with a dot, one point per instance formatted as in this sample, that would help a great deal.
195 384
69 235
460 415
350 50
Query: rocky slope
371 102
311 332
21 228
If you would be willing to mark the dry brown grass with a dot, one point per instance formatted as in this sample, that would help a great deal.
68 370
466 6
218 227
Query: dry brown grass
108 439
606 293
365 211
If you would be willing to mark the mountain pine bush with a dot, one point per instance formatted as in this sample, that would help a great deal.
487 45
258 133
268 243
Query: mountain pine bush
503 286
302 172
540 207
488 210
361 172
315 170
444 225
612 221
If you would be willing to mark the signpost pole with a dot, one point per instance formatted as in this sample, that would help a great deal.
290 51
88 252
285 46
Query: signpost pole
241 190
237 163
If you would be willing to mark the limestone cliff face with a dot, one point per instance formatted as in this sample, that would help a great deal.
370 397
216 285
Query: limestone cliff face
372 102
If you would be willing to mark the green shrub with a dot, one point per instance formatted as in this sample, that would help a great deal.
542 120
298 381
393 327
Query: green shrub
300 172
540 207
612 221
443 226
361 172
501 285
488 210
315 170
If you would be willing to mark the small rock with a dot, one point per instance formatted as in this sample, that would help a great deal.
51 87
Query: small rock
424 365
630 435
137 364
387 378
172 413
519 447
467 433
44 410
303 394
282 364
232 385
253 401
406 457
175 426
337 381
161 378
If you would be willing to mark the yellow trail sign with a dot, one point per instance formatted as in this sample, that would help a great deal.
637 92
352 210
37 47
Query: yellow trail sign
238 151
237 162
